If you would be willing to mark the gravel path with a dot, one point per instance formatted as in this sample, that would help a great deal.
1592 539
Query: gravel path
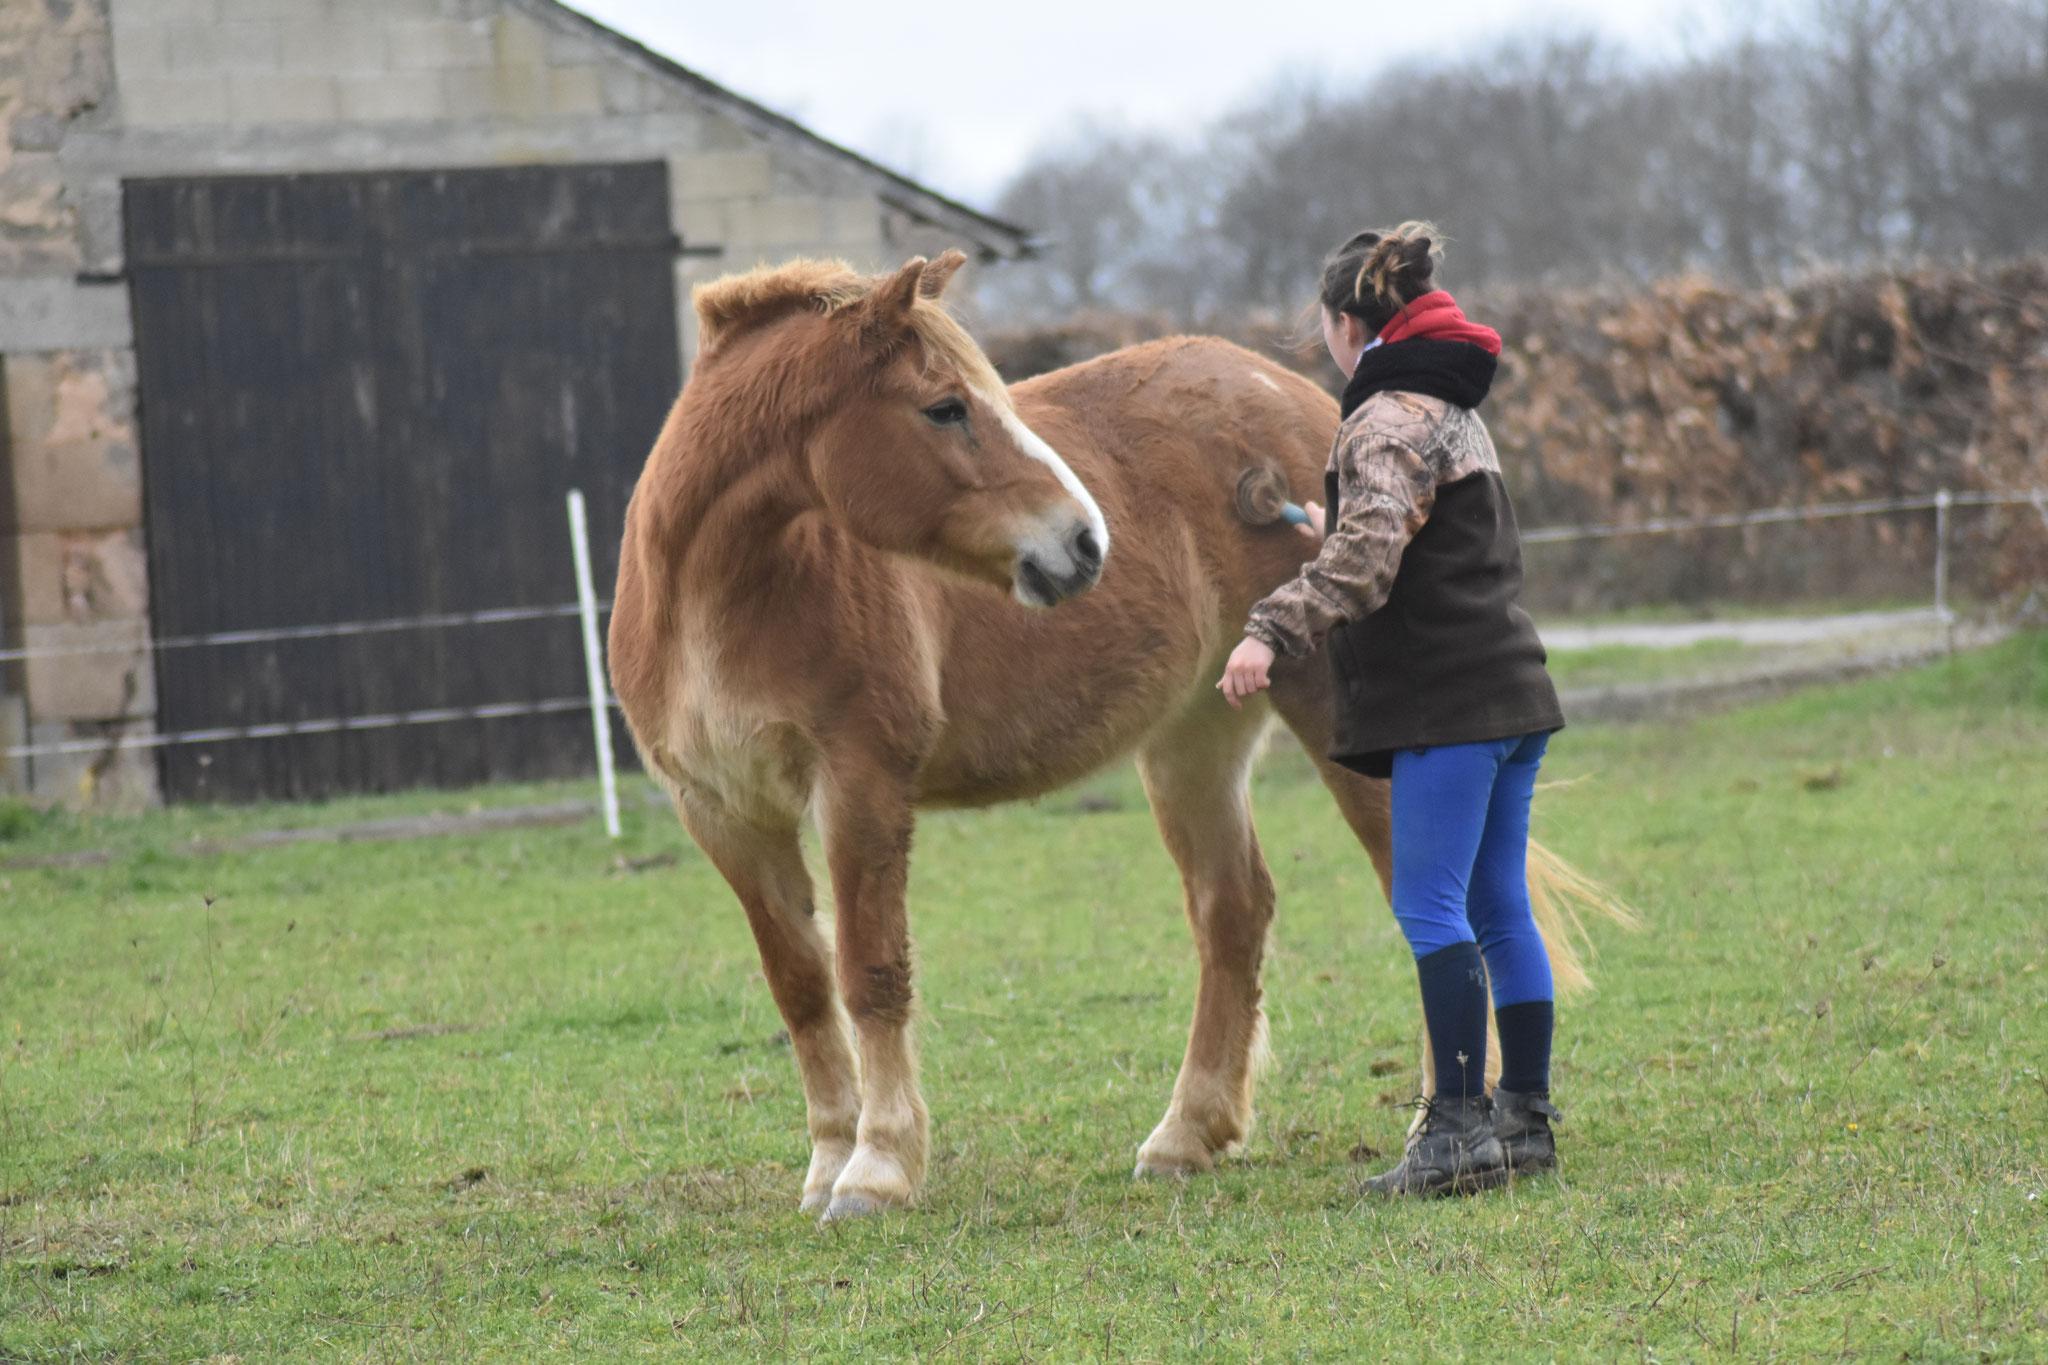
1921 623
1815 660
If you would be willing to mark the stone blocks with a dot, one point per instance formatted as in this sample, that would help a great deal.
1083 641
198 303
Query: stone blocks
788 222
173 102
721 175
439 44
70 578
262 11
74 568
700 222
180 11
142 52
71 431
84 601
575 90
221 49
257 98
97 671
105 776
414 95
342 49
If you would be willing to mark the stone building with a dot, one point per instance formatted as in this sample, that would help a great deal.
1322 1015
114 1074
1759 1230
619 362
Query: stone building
203 108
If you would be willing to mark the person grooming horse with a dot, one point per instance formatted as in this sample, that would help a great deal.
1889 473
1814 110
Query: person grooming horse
938 559
1440 685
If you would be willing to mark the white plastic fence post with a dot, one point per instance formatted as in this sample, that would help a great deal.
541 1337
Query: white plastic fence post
1942 499
600 693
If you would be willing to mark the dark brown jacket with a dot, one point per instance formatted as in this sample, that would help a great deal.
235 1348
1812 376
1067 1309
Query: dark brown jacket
1413 593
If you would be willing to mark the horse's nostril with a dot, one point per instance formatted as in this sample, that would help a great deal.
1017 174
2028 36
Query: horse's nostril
1087 554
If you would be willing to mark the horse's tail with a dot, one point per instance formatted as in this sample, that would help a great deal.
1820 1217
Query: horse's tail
1558 892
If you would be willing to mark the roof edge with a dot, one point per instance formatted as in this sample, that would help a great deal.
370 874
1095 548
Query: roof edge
899 190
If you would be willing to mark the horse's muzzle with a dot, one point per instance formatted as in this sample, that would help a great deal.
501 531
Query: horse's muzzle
1047 574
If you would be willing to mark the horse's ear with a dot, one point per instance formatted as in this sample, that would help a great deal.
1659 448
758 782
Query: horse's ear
939 273
887 310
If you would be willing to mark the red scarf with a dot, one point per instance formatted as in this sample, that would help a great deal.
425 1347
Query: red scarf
1435 316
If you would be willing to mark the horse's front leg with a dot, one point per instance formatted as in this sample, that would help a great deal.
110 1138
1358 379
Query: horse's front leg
865 812
762 861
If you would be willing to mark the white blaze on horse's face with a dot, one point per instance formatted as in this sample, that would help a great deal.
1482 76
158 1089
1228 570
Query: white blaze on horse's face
931 460
1058 555
938 466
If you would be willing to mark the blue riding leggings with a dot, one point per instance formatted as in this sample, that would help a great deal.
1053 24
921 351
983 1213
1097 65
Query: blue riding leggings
1461 850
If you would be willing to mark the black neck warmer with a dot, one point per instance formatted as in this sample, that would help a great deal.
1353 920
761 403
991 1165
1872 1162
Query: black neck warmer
1455 371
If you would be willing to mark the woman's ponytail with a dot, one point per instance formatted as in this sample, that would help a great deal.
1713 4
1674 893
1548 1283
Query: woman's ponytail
1375 275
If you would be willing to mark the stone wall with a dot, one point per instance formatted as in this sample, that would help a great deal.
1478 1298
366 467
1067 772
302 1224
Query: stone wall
72 572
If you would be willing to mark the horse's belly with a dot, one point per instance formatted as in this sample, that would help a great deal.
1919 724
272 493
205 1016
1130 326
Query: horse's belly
1036 701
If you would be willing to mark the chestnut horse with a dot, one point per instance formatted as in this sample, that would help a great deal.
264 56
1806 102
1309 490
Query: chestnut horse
830 601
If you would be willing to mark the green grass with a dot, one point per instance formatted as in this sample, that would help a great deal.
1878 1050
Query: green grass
1806 1108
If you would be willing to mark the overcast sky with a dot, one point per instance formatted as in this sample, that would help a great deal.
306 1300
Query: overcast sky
960 95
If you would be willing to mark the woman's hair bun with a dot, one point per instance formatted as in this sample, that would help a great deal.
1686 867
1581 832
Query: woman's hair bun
1376 273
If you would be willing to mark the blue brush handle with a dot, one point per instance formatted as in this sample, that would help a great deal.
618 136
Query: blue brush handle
1293 515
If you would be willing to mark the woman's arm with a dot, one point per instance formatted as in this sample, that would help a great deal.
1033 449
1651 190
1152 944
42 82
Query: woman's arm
1388 491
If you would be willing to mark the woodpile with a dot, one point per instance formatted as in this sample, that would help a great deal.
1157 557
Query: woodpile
1689 398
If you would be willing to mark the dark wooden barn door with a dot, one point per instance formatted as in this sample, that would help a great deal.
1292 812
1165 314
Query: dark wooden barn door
365 397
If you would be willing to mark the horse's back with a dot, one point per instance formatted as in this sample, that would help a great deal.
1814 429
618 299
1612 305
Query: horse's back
1215 401
1161 433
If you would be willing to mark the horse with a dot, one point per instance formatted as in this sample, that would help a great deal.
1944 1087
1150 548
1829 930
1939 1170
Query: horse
861 576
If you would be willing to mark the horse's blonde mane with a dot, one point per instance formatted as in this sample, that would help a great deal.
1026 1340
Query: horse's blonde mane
737 303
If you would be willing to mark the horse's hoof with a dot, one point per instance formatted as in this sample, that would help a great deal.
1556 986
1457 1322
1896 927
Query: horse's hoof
815 1201
850 1206
870 1183
1145 1170
1174 1151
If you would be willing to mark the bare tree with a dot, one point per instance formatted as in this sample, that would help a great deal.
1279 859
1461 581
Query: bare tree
1850 130
1078 198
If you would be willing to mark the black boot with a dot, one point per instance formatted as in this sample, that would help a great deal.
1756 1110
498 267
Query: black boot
1453 1152
1521 1120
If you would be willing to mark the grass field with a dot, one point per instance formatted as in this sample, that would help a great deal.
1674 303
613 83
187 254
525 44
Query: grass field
514 1098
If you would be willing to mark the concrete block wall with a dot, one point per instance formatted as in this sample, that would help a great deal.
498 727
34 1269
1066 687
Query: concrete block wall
527 86
263 63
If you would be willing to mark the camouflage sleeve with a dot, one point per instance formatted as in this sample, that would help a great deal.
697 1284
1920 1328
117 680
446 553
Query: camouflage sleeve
1387 490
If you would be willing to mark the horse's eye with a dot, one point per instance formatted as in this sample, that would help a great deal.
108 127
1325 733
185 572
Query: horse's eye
951 413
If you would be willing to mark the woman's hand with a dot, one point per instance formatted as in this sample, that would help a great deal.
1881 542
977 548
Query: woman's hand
1249 669
1314 527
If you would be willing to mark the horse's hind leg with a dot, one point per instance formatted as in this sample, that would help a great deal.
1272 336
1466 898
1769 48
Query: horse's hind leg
1196 775
765 867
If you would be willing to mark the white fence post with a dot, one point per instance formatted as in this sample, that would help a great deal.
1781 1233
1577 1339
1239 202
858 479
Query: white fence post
600 692
1942 499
